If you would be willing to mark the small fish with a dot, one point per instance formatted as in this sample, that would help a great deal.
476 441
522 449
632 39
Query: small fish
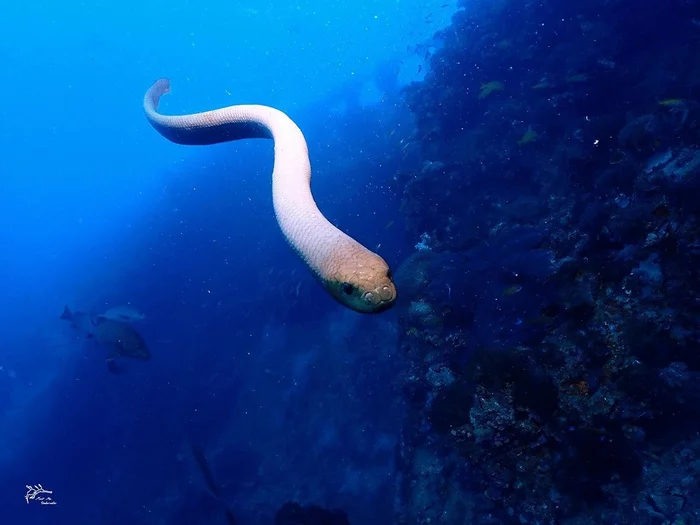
512 290
673 103
118 336
125 313
576 78
528 137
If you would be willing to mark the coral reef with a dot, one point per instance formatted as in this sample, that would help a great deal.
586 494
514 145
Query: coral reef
550 314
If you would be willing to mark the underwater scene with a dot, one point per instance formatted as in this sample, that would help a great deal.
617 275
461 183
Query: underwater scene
327 263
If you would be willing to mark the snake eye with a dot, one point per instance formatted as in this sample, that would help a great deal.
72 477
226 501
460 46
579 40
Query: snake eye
347 288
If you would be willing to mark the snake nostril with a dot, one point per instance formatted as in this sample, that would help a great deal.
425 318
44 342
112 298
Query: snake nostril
371 298
386 293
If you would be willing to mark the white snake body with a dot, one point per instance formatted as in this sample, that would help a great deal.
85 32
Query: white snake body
352 274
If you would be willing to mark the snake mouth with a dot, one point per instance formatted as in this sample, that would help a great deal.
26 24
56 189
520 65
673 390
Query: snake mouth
383 307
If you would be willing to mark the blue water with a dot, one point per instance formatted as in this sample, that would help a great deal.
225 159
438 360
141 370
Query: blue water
530 172
99 210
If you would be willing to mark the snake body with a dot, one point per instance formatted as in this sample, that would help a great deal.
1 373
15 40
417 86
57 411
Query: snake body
355 276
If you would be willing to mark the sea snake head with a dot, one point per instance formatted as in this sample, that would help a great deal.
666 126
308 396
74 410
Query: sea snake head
365 286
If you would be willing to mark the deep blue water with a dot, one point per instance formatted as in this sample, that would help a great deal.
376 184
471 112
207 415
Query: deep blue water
529 171
100 211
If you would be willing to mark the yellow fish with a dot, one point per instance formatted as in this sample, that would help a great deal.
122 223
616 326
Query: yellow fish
672 102
512 290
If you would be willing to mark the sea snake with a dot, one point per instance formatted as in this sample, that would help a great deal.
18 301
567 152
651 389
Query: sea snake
355 276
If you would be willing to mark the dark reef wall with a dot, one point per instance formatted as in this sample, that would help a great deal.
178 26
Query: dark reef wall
550 313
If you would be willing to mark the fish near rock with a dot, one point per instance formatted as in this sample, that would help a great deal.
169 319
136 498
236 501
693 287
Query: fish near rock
119 336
